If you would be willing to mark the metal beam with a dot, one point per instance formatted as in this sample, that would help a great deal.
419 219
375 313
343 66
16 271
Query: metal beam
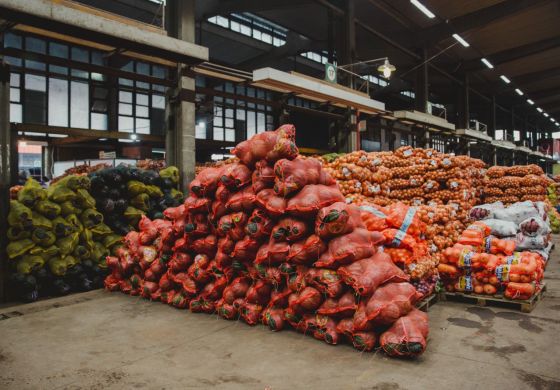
528 78
65 20
476 19
545 93
513 54
230 6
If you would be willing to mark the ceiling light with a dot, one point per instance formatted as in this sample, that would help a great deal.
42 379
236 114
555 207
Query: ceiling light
539 109
552 120
530 101
423 8
386 69
506 80
487 63
461 40
519 92
545 114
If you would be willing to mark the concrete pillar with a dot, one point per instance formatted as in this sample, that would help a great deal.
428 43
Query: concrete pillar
48 161
180 137
5 171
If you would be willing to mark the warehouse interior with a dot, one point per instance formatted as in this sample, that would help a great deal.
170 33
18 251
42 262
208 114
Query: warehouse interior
189 84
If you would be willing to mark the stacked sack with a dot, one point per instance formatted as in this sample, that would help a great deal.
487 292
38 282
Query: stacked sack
514 184
403 230
58 241
269 239
124 194
484 264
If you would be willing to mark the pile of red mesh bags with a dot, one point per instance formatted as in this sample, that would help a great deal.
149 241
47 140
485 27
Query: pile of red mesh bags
269 239
484 264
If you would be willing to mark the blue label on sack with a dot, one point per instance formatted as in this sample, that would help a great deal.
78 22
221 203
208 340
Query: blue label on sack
408 219
373 211
488 243
502 273
465 259
513 259
398 238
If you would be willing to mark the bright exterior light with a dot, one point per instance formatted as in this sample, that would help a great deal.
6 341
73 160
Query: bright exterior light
487 63
545 114
423 8
530 101
386 69
539 109
22 144
506 80
519 92
461 40
134 137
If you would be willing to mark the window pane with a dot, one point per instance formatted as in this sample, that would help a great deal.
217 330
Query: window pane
12 40
35 45
224 22
125 97
229 123
14 95
245 30
158 101
35 65
251 125
260 122
35 99
58 50
126 124
143 126
15 113
80 73
14 79
218 133
58 69
79 54
142 111
158 71
58 102
142 68
230 135
200 130
79 105
142 85
96 57
126 82
98 77
99 121
125 109
35 83
235 26
240 115
142 99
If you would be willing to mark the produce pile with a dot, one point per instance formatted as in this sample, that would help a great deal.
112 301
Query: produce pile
83 169
151 165
503 252
514 184
269 239
57 239
123 194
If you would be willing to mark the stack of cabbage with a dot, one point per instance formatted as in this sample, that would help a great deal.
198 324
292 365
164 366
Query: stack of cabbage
124 194
57 239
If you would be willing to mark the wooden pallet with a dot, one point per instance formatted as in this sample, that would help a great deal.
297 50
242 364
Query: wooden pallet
428 302
526 306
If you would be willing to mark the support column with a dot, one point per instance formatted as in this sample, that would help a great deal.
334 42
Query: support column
5 172
180 137
421 90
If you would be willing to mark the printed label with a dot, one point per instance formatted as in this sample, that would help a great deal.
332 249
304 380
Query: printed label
465 259
407 153
488 243
446 162
398 238
454 184
373 211
429 153
502 272
465 283
408 219
433 163
346 172
514 259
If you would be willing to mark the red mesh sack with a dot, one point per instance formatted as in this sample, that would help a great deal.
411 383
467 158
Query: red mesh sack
206 182
344 306
272 203
197 225
326 281
398 239
174 213
202 305
272 253
183 280
225 248
207 245
165 283
296 280
197 205
337 219
132 241
233 225
259 292
365 275
259 225
226 310
236 289
407 336
326 330
263 176
308 300
307 251
346 327
364 341
374 217
243 200
405 218
313 198
293 175
273 317
279 298
179 300
179 262
235 176
213 291
111 283
217 211
346 249
251 313
148 288
289 229
222 193
245 250
199 270
270 146
387 304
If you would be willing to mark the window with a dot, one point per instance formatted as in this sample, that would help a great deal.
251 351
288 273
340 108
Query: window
58 102
35 99
79 105
15 98
252 26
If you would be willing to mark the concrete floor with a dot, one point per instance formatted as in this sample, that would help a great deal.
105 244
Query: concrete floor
102 340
